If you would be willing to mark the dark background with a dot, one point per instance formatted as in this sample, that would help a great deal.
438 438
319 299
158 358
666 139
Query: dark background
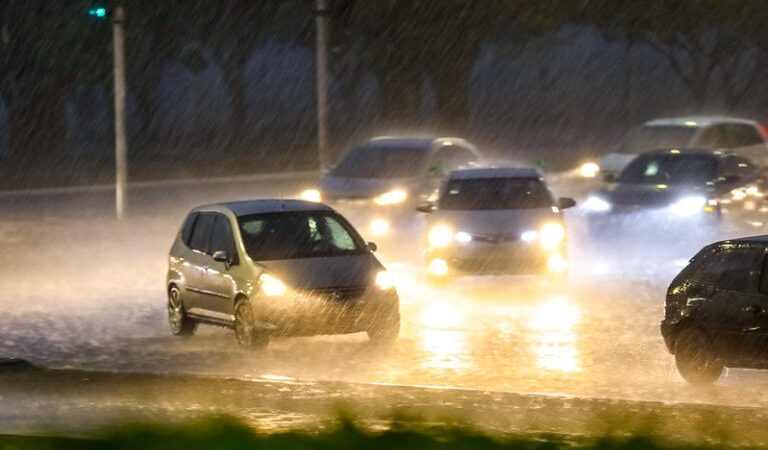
228 86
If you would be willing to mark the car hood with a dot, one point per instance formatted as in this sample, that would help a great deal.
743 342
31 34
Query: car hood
631 194
326 272
493 222
334 187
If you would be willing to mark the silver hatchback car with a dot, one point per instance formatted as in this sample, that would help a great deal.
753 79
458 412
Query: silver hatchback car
278 268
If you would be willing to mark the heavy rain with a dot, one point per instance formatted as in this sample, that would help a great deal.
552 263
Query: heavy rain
524 217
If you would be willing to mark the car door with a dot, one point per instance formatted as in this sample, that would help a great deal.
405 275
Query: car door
757 313
220 286
728 286
197 262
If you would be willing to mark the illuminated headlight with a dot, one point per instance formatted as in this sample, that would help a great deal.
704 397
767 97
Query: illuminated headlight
379 227
597 204
688 206
311 195
392 197
272 286
551 235
438 267
589 170
462 237
384 280
440 236
529 236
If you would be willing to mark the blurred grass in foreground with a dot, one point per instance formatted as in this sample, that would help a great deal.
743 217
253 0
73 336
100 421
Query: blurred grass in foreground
226 434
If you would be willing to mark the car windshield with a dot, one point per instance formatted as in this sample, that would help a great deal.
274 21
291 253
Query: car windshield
384 161
304 234
652 137
495 193
670 169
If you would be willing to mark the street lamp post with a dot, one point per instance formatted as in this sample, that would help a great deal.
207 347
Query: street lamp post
321 23
121 143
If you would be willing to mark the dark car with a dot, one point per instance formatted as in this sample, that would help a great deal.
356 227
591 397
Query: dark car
277 268
676 188
716 312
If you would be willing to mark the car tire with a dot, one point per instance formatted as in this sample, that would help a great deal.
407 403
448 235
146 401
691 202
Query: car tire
385 333
178 320
694 357
245 333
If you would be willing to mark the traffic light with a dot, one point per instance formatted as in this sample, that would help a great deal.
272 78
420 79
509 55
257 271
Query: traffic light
97 12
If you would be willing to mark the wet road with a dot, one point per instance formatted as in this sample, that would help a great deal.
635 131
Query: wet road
83 291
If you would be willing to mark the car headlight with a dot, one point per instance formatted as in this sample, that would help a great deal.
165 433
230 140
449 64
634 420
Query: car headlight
440 236
589 169
384 280
688 206
311 195
462 237
272 286
597 204
529 236
379 227
392 197
551 235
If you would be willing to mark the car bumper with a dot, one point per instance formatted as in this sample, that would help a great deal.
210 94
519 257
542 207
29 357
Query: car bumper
312 314
508 258
639 220
667 332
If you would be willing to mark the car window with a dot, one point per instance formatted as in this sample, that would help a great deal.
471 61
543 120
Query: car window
741 135
764 277
186 229
494 193
731 268
384 160
301 234
713 137
221 236
201 232
670 168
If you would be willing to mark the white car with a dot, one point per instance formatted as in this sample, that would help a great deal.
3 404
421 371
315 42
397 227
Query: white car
495 220
741 136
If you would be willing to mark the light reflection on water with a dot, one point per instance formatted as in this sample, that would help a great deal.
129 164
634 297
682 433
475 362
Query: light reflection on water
443 337
553 336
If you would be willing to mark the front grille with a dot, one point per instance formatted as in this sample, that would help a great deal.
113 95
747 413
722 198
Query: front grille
340 294
495 238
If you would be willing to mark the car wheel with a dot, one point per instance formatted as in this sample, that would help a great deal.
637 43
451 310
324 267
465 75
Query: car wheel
180 323
385 333
694 357
246 333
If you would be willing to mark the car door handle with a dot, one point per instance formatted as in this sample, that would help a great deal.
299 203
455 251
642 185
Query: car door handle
753 309
694 300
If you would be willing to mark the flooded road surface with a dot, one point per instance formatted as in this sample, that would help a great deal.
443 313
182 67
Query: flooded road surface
83 291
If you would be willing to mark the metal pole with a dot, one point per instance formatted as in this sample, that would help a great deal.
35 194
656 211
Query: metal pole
121 144
321 23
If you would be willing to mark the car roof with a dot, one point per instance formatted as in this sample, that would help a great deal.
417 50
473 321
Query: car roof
698 121
425 142
686 152
496 172
248 207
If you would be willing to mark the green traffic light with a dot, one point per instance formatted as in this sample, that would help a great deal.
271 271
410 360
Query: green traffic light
98 12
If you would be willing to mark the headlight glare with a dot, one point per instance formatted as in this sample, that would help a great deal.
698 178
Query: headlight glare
311 195
384 280
597 204
589 169
272 286
392 197
688 206
462 237
440 236
551 235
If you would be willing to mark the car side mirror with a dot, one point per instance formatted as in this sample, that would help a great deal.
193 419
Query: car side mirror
611 178
565 203
373 247
220 256
425 207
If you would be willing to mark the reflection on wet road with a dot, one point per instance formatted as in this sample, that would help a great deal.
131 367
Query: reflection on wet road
95 300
